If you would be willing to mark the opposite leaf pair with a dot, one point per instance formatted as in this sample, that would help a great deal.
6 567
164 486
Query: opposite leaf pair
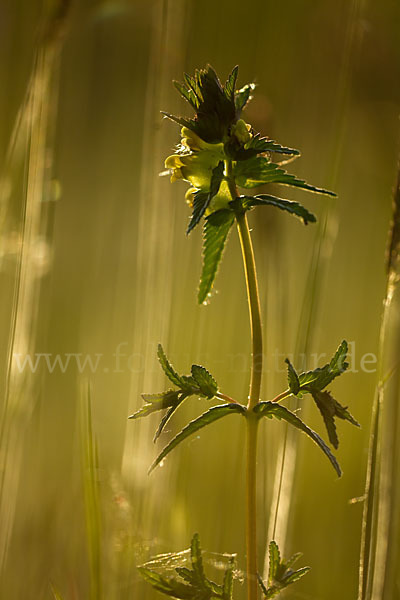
193 584
202 383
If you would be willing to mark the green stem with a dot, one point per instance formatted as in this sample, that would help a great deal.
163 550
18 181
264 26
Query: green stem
251 506
254 309
255 386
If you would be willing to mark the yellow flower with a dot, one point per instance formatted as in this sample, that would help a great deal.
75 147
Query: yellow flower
220 200
197 165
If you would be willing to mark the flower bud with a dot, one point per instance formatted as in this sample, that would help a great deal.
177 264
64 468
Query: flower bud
241 131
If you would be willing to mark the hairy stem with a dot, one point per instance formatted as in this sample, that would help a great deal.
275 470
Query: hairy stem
254 395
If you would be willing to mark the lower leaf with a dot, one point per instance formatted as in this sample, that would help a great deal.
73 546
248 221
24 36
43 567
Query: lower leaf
211 415
271 409
215 233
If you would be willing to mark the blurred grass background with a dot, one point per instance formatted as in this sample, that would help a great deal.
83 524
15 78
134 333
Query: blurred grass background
94 260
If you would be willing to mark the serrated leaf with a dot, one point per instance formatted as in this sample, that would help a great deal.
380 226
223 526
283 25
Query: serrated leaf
293 378
187 94
313 382
169 369
215 233
259 170
169 586
197 563
211 415
294 208
296 575
189 383
271 409
195 584
319 378
293 559
323 400
243 96
206 382
156 402
168 416
274 560
280 574
189 123
259 144
214 105
329 409
229 87
202 199
264 590
227 586
186 574
256 145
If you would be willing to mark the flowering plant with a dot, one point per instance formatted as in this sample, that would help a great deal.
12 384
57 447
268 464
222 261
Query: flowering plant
219 153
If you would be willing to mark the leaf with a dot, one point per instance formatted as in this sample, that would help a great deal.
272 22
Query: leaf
296 575
258 145
293 379
293 559
259 171
280 574
168 586
274 560
214 104
227 586
295 208
189 123
325 404
197 563
229 87
313 382
156 402
186 574
169 369
206 382
215 233
265 591
329 409
201 199
167 416
211 415
323 376
271 409
193 583
188 94
243 96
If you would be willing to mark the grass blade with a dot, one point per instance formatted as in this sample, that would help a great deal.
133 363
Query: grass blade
89 462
